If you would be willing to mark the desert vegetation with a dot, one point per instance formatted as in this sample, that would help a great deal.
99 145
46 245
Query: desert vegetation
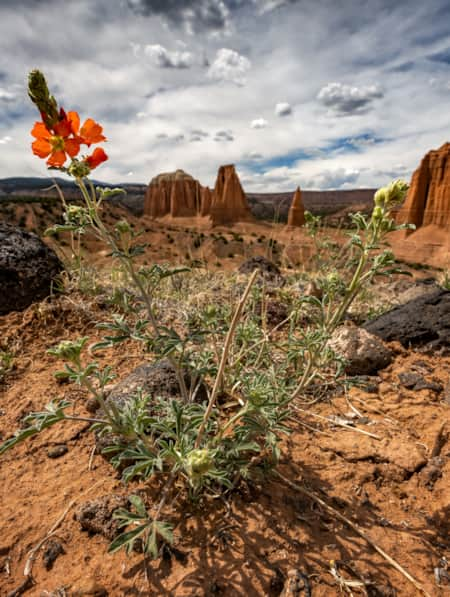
245 362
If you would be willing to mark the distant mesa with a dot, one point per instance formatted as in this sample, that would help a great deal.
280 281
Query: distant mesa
428 200
296 215
173 193
178 194
229 203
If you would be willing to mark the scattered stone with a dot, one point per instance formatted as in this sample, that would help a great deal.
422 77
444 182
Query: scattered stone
155 380
268 269
434 386
53 549
96 516
57 451
368 383
422 322
364 353
409 379
296 584
276 312
27 268
92 405
431 472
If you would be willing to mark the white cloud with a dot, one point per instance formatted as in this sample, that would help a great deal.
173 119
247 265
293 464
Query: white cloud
229 65
163 58
283 109
4 140
259 123
346 100
7 96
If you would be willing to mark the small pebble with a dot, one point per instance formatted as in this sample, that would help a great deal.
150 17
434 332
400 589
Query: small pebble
57 451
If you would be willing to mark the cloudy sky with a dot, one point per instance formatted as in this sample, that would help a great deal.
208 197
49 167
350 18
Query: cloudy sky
321 93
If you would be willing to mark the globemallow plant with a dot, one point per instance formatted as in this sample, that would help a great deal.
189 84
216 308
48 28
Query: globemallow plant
206 447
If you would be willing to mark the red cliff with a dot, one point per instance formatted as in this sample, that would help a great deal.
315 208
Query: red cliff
428 200
296 216
229 203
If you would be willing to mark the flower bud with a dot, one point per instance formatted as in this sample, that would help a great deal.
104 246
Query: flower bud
377 213
76 215
40 96
198 463
68 349
123 227
396 192
380 197
78 169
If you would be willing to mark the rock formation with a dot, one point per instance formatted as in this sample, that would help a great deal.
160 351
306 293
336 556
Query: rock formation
428 200
229 203
27 268
296 215
205 201
173 193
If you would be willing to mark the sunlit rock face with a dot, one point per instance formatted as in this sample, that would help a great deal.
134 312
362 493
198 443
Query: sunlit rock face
428 200
229 203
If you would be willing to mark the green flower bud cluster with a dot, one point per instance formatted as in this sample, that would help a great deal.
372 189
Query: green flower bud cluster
76 215
391 195
123 227
198 463
388 197
40 96
78 169
68 349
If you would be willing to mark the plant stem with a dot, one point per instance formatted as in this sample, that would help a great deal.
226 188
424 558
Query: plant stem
223 361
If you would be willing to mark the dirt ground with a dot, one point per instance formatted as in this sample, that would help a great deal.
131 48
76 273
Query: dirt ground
394 484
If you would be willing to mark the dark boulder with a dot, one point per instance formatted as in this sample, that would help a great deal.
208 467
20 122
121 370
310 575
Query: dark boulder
266 268
156 380
422 322
27 268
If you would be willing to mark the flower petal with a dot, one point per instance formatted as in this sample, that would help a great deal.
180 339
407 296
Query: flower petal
74 120
91 132
97 157
41 148
57 159
72 146
63 128
40 131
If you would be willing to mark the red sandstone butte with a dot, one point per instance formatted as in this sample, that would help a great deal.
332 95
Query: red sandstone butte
229 203
428 199
205 201
173 193
296 215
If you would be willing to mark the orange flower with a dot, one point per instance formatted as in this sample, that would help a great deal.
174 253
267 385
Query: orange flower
64 138
91 132
55 144
97 157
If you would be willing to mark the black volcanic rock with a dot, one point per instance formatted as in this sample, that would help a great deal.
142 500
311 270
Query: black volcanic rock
422 322
27 268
